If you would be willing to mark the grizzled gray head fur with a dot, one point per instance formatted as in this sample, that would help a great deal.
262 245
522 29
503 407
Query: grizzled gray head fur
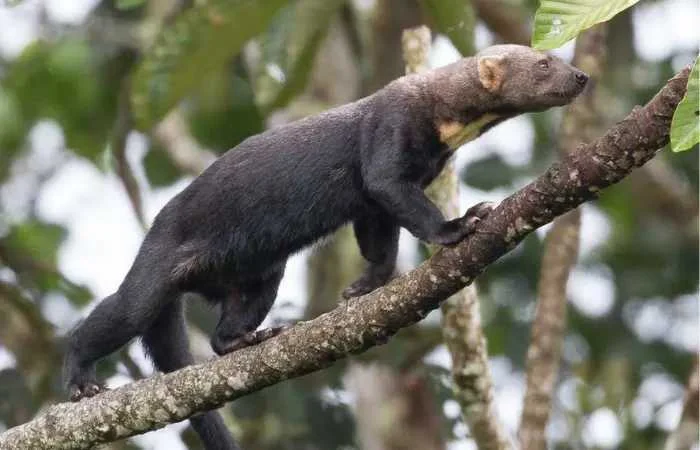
474 94
505 80
526 79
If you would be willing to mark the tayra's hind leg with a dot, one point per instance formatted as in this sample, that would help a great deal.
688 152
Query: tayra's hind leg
112 324
378 238
243 311
105 330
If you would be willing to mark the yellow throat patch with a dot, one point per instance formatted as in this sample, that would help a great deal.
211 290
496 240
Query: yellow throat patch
456 134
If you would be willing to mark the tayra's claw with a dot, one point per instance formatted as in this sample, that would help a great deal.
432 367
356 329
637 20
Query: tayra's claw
476 214
364 285
85 390
480 210
249 339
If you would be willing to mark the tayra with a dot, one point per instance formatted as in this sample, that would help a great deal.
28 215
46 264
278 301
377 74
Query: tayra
227 236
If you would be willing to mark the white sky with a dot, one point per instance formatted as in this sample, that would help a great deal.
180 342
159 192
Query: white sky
104 235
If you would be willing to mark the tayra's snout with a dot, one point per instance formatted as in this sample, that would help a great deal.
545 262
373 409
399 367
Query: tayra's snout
581 78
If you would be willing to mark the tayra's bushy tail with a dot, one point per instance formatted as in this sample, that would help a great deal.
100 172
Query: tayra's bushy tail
167 344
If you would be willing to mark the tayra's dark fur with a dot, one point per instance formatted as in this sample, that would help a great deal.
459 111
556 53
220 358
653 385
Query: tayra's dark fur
227 236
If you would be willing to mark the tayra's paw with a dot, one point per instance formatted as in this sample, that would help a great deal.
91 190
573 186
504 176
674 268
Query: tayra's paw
222 346
365 284
85 389
455 230
81 381
357 289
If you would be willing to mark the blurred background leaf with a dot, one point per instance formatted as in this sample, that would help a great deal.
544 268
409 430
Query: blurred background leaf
62 81
455 19
202 39
288 50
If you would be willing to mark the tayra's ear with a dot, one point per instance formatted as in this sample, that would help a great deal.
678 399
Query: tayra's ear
492 72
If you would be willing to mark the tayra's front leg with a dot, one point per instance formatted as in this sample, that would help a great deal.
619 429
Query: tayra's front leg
414 211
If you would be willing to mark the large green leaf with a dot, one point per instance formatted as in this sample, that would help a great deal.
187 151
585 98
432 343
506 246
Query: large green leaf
201 40
685 127
290 46
559 21
455 19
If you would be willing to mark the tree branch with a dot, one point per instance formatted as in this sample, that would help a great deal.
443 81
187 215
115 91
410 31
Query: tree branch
360 323
580 122
461 316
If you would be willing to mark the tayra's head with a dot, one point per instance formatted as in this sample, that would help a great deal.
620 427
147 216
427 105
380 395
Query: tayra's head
524 79
474 94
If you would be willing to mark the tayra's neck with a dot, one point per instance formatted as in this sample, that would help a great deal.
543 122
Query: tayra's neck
455 134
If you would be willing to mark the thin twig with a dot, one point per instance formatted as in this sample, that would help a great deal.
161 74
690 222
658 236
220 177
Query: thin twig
120 133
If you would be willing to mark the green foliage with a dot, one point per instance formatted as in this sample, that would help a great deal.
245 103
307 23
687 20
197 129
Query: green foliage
201 40
38 240
559 21
222 100
455 19
159 168
290 415
291 44
488 173
62 81
129 4
16 406
13 128
685 127
30 248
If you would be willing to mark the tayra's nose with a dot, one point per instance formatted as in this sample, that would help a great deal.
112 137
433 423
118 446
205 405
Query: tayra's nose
581 78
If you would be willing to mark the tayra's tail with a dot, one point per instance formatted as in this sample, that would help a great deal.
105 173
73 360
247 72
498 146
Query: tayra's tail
167 344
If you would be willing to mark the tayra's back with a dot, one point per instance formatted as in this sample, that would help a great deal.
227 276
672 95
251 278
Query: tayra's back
283 188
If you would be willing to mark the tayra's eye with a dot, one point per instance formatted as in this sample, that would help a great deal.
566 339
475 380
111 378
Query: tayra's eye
544 64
